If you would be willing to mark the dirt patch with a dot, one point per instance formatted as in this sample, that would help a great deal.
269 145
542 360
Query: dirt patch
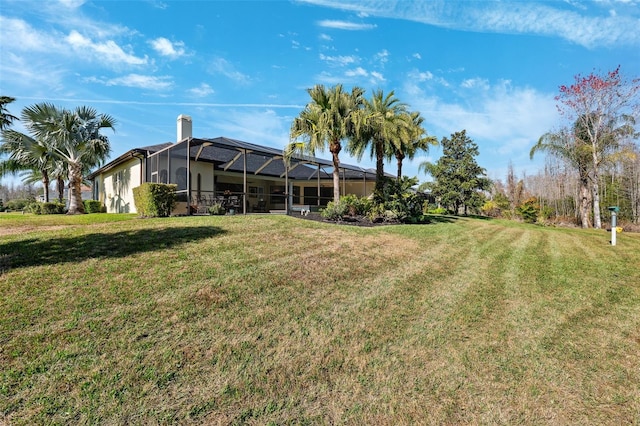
23 229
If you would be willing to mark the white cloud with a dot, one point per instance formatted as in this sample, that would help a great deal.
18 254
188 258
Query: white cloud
71 4
201 91
505 120
167 48
325 37
136 80
356 72
339 60
377 77
29 38
417 56
595 26
382 57
108 51
222 66
344 25
475 83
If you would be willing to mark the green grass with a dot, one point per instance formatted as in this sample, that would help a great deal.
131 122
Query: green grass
109 319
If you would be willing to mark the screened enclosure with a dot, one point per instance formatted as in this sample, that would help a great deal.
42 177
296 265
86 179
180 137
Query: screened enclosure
243 178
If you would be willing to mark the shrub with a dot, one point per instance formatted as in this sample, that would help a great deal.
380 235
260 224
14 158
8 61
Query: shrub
529 210
334 211
216 209
398 202
47 208
437 210
356 206
155 199
17 204
93 206
491 209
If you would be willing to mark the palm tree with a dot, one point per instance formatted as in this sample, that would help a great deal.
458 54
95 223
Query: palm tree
73 137
417 140
381 127
6 119
326 121
25 154
575 152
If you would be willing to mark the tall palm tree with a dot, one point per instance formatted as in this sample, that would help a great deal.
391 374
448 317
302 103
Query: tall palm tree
73 137
565 145
381 126
26 153
415 140
326 121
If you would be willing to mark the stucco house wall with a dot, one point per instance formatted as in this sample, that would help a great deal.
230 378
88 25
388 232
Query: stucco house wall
115 187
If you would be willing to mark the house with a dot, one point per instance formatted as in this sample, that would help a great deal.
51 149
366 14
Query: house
246 176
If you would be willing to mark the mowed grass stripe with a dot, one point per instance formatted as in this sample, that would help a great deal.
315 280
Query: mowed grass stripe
264 319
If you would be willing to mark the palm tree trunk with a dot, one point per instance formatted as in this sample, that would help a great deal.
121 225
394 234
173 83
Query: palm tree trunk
399 158
60 183
45 183
336 177
75 189
379 168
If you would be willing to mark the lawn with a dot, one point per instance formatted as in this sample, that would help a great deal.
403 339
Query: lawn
110 319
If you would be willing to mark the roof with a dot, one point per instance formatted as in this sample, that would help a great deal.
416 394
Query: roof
133 153
225 154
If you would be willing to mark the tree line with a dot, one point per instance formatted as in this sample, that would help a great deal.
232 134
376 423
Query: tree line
592 161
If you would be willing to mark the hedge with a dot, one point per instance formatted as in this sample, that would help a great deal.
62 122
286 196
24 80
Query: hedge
155 199
93 206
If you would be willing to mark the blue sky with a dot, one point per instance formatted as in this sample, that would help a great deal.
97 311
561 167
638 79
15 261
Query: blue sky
241 68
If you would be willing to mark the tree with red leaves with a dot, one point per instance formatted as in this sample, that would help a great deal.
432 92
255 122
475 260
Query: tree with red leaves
602 110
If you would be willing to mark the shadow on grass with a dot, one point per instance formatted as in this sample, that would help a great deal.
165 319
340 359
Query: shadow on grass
35 252
437 218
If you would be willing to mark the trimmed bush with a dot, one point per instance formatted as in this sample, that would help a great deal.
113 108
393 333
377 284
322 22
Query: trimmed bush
93 206
47 208
17 204
155 199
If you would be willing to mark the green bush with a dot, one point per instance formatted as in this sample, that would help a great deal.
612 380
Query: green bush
93 206
334 211
529 210
47 208
216 209
17 204
398 202
155 199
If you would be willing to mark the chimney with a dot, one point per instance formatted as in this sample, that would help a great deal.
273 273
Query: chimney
184 127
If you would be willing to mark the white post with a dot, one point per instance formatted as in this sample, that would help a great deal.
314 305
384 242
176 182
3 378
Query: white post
614 228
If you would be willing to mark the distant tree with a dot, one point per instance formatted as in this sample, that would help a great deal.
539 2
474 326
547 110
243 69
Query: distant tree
326 122
458 177
6 119
604 109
